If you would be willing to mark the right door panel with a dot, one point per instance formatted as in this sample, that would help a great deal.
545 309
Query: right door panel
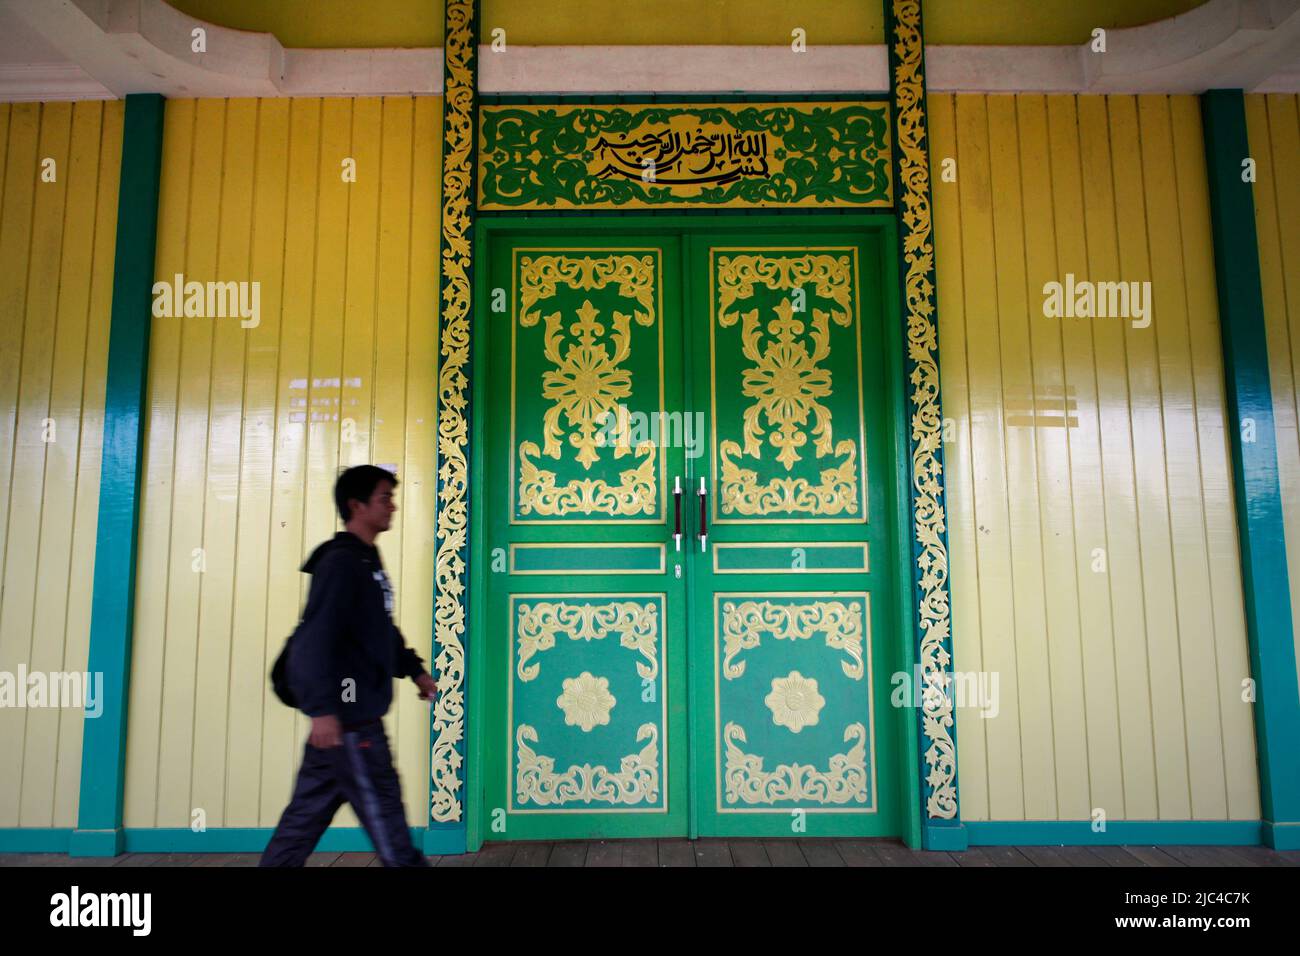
792 596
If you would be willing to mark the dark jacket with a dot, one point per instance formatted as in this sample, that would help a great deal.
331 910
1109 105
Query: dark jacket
347 631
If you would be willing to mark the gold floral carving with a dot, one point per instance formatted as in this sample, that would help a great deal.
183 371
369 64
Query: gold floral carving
634 493
451 529
636 781
795 702
744 623
926 419
845 780
586 385
785 383
636 624
586 701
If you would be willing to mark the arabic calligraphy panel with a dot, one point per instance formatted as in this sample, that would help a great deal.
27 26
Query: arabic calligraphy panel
638 157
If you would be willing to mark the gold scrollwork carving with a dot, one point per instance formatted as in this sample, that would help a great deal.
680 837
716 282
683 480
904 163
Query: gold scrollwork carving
636 624
785 383
846 779
586 385
452 526
934 611
634 275
637 779
634 494
745 622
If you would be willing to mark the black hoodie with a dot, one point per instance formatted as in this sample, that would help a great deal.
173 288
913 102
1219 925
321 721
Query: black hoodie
347 632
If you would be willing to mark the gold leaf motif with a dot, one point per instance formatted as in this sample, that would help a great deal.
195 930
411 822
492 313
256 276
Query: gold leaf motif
637 779
794 702
933 608
785 382
744 623
636 624
586 701
587 384
844 781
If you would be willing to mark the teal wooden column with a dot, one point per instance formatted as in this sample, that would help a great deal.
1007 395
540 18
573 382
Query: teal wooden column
1255 470
103 748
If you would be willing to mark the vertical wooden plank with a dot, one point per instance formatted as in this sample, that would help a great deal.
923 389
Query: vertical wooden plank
354 395
1054 491
1020 307
328 332
16 206
1146 413
11 338
988 451
189 563
91 434
361 336
420 436
253 645
972 759
1123 553
1227 630
69 274
1051 693
22 621
285 730
389 416
1096 702
155 568
1195 647
212 705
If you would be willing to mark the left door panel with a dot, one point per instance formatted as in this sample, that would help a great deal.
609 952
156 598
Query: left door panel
585 650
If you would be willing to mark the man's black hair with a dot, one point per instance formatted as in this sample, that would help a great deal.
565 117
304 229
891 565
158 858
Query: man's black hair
359 483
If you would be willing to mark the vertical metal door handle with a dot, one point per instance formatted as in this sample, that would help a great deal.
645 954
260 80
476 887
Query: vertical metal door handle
704 520
677 514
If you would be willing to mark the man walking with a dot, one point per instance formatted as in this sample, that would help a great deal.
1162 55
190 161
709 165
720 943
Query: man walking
340 668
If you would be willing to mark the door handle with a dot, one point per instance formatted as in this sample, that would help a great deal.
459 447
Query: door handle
704 520
677 514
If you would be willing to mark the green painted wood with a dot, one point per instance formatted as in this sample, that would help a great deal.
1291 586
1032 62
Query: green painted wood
495 239
103 757
595 155
585 323
1255 469
788 330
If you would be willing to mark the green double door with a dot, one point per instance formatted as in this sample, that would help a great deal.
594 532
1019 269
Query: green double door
690 617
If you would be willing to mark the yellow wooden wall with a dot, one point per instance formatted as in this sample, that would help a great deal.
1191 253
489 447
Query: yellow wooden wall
1273 123
56 285
1119 690
246 432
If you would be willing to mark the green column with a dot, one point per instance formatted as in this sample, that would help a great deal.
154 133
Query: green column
103 750
1255 477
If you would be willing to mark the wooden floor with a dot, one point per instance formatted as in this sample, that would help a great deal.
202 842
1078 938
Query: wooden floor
732 853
